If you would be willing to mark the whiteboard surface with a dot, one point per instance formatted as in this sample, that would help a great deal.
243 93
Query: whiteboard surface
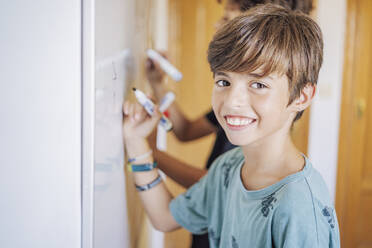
113 33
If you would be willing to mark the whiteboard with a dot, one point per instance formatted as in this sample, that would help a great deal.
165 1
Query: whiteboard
118 54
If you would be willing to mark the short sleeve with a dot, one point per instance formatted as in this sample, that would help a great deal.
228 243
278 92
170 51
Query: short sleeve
193 208
303 225
190 208
328 227
294 229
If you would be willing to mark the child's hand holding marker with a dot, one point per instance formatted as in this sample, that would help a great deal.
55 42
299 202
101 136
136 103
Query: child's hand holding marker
136 113
138 124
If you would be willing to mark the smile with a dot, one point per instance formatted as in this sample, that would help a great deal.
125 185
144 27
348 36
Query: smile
238 122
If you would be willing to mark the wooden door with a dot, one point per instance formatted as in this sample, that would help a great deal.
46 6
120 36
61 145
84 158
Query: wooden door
354 181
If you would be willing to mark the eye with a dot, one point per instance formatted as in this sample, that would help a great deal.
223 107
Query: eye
222 83
258 85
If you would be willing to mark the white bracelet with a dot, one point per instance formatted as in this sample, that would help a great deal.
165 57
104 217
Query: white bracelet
147 154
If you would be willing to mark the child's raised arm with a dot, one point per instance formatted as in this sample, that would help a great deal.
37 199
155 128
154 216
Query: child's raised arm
184 128
155 196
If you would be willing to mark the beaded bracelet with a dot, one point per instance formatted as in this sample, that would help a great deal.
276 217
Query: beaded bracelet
141 167
150 185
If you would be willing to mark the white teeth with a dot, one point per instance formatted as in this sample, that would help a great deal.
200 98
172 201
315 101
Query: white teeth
239 121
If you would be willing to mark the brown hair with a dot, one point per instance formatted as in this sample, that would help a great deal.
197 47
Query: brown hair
304 6
273 39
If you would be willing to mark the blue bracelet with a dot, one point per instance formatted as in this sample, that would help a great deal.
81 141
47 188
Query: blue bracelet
150 185
141 167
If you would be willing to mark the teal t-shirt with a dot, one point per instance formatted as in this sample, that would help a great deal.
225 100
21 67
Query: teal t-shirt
295 212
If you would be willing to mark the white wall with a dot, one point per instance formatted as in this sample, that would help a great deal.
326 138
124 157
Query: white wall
325 111
40 128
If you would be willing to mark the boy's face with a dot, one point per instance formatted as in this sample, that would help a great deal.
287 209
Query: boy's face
252 109
231 11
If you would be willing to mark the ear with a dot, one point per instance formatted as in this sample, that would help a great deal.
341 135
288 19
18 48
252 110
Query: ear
306 96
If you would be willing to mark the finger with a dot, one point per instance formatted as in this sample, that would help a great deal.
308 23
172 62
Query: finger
131 111
126 110
157 115
156 66
164 54
149 64
153 69
151 121
140 113
126 107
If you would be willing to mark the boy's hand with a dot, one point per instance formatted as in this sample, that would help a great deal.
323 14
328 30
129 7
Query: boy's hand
138 124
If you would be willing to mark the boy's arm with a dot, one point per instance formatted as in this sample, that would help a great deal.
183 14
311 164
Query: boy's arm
184 129
155 200
136 127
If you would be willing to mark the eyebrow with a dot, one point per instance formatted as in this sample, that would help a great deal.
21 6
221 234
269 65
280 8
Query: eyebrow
220 73
256 75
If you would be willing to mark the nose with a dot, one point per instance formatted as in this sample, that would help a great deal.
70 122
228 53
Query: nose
237 97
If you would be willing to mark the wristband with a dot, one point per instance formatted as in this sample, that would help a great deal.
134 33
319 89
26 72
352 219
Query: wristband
142 167
147 154
150 185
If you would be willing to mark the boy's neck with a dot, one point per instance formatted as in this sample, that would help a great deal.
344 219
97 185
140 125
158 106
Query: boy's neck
270 161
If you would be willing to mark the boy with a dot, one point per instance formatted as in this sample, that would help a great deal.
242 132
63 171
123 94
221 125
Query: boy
188 130
264 193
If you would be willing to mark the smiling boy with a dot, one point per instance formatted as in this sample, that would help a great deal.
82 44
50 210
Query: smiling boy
264 193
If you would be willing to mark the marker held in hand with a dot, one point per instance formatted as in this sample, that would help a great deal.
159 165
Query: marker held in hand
165 65
149 107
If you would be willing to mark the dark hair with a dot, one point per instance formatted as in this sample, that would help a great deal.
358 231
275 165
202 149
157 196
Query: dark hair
304 6
273 39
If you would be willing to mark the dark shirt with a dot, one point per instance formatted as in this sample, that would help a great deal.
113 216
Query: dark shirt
221 145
